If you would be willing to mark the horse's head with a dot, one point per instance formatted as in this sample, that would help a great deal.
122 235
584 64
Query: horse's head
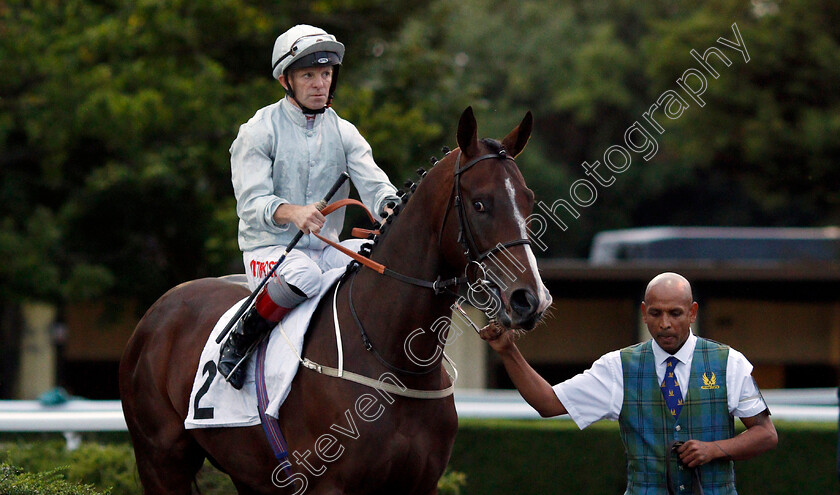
487 229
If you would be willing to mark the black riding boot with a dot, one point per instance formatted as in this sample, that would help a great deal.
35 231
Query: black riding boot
247 331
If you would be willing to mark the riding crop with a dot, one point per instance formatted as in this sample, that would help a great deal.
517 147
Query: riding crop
243 308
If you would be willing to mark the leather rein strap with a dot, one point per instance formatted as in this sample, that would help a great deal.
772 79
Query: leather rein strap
377 267
437 285
465 236
696 485
340 372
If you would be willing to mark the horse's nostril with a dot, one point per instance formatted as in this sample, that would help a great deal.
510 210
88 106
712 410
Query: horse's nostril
523 302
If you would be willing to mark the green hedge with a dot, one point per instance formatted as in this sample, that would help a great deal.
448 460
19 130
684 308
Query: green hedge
549 456
490 457
15 481
105 465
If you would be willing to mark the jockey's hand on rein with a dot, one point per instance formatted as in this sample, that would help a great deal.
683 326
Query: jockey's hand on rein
310 219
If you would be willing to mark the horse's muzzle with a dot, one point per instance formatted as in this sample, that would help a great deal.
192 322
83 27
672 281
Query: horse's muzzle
524 308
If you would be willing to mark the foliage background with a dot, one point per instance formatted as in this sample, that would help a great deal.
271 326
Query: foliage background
489 457
116 117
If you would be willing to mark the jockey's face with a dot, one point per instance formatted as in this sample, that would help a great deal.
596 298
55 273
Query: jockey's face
311 85
668 311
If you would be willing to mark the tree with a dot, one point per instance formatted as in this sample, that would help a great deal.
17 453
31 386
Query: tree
764 147
116 120
759 152
116 117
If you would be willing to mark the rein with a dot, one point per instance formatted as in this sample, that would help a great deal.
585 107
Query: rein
436 285
696 483
465 238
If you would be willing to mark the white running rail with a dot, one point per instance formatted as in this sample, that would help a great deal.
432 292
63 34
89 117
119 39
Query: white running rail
107 415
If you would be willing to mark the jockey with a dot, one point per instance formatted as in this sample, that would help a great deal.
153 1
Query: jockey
283 161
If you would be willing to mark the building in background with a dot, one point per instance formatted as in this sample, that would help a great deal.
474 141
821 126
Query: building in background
773 294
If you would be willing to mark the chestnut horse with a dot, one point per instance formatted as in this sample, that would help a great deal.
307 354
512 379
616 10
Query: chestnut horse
470 207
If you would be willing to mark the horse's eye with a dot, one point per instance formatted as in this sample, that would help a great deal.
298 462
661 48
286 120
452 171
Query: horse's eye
479 206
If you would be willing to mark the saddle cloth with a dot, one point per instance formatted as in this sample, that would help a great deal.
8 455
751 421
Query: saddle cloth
214 403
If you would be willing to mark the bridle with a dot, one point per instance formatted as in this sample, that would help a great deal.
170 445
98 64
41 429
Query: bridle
465 236
696 482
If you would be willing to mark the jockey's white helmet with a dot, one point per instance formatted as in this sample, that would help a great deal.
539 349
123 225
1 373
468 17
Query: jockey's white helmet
300 41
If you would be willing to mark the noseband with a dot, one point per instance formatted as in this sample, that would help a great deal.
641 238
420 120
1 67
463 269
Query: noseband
465 236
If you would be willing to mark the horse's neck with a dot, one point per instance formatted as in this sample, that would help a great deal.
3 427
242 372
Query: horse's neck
410 248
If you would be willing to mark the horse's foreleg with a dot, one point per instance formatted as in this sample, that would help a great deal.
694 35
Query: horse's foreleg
167 456
170 473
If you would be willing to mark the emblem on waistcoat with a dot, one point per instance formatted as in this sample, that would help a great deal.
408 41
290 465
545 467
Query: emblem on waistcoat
709 383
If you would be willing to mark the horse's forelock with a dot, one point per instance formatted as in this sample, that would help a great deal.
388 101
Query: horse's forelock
493 145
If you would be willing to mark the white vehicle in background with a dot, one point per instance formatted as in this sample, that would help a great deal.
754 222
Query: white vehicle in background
716 244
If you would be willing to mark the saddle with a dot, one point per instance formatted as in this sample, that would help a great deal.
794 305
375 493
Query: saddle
214 403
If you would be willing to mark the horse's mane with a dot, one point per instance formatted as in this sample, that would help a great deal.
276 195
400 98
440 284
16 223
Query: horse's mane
407 192
405 195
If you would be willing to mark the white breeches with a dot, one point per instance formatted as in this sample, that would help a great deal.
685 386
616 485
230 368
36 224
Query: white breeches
302 268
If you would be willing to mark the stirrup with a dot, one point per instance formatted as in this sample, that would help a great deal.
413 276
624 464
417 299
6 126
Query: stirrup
243 360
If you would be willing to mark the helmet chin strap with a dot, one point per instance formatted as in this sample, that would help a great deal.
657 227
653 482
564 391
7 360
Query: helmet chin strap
306 110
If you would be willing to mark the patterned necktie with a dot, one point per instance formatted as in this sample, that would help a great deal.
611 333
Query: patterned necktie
671 388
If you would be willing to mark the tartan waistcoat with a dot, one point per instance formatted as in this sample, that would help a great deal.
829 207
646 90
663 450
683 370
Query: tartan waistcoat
648 428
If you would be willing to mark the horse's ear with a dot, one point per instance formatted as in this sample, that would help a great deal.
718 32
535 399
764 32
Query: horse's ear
468 133
515 142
